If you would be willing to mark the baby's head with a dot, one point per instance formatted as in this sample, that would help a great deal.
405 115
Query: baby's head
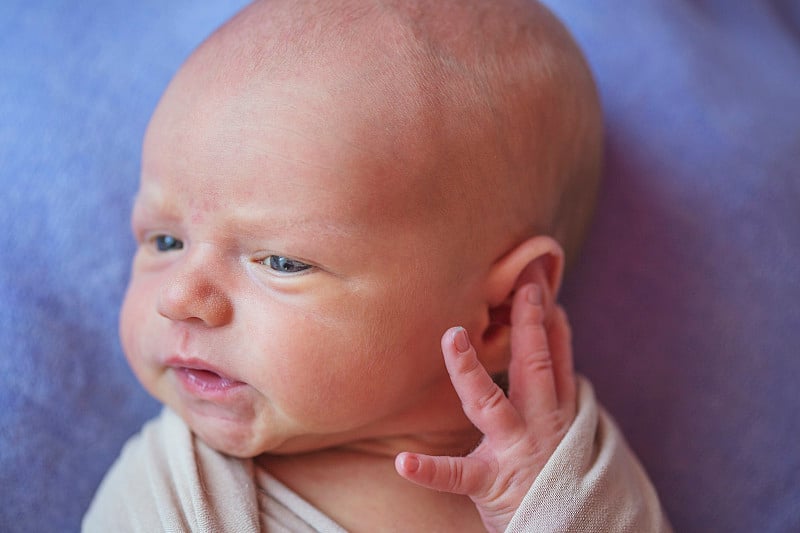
327 187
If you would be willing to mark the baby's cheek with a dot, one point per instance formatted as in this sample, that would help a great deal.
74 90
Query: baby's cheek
329 375
128 322
136 337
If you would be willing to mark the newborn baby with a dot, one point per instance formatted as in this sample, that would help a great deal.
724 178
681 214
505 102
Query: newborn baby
327 189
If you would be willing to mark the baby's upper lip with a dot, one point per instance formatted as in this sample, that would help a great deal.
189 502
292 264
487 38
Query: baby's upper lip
193 363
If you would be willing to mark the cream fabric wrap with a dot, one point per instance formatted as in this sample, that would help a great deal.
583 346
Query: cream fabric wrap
592 483
168 480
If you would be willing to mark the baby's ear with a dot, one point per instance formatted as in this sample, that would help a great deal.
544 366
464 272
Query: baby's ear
538 260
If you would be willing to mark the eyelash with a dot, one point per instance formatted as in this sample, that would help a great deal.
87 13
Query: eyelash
278 263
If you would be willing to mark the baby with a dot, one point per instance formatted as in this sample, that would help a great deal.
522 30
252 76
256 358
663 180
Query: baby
327 188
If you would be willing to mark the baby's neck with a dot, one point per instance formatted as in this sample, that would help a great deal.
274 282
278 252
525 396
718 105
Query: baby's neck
359 489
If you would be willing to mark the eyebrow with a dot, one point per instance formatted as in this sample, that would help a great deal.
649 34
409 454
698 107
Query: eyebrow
254 222
153 196
257 224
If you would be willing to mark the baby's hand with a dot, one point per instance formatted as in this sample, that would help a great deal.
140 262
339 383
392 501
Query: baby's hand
522 431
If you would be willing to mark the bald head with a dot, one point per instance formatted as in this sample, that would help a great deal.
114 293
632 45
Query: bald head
487 108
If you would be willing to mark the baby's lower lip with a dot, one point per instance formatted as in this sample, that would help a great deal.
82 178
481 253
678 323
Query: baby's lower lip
205 382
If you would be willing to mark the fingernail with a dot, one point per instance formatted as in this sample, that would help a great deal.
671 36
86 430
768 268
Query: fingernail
410 463
535 295
461 340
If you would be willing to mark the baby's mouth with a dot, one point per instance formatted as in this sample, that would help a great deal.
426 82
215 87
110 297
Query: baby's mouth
199 379
206 380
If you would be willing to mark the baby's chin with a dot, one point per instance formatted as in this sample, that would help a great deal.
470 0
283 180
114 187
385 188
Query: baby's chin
249 441
237 436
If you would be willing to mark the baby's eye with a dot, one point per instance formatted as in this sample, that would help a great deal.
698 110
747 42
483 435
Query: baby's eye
166 243
284 265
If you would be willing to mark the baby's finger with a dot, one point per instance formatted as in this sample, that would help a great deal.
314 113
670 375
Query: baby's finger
458 475
532 386
560 337
484 403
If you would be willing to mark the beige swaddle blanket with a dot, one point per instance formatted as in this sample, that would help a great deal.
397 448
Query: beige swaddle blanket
166 479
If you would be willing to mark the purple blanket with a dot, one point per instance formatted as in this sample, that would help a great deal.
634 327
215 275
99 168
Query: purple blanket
684 305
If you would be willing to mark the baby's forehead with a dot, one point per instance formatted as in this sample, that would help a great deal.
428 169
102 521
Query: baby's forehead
365 72
445 96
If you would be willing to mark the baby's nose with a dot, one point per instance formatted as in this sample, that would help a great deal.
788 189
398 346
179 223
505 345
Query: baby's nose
192 294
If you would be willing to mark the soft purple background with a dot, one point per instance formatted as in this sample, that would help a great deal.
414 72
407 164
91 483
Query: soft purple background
686 305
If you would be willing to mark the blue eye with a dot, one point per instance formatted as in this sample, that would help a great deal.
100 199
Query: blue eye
284 265
166 243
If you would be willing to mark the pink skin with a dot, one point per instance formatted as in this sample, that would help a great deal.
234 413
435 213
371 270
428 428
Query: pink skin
522 431
344 352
